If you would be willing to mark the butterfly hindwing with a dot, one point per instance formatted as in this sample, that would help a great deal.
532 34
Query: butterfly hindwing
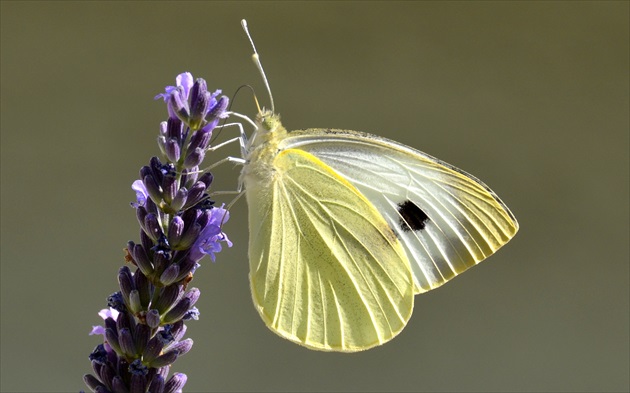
446 219
326 269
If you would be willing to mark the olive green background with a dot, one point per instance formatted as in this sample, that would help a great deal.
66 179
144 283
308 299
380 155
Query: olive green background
531 97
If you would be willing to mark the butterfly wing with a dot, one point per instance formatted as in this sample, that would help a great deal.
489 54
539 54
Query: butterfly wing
326 269
447 220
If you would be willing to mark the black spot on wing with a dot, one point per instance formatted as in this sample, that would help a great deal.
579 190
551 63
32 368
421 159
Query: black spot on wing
412 218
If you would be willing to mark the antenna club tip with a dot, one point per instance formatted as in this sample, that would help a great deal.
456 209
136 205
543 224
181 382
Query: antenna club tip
256 60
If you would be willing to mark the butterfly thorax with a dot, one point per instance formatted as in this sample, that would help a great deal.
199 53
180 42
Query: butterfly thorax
262 148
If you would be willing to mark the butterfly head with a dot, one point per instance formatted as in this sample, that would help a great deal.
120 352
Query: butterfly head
269 130
268 122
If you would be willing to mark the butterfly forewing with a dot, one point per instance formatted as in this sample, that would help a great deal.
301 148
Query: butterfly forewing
326 269
446 219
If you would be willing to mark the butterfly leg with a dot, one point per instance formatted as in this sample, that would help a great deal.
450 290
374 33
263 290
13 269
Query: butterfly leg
239 194
235 160
242 139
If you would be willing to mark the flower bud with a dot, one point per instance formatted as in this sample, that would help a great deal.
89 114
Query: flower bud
157 384
175 383
187 265
181 347
147 244
126 342
138 382
141 213
172 150
189 176
153 318
161 140
176 313
169 186
106 374
193 294
167 298
157 169
178 330
194 157
135 305
175 130
143 334
112 340
153 348
180 199
179 105
196 192
152 226
125 320
175 231
142 259
118 384
144 287
161 261
190 235
92 382
164 360
199 104
200 140
153 189
125 281
206 179
170 275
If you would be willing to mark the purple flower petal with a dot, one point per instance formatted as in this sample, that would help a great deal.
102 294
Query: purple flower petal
108 313
97 330
210 238
104 313
141 193
185 80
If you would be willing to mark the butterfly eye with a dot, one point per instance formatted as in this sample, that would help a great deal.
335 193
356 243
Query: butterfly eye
269 122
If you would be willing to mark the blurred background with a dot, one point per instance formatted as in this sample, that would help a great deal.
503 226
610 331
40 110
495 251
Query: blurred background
531 97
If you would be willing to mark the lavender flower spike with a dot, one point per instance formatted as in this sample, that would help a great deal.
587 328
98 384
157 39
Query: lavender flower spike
144 324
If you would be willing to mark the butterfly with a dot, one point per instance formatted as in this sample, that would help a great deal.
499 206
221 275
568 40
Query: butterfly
345 228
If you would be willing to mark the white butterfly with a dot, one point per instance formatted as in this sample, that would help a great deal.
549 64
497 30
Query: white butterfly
346 227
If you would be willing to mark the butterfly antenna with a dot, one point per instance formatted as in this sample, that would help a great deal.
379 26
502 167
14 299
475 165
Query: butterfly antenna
215 136
256 59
